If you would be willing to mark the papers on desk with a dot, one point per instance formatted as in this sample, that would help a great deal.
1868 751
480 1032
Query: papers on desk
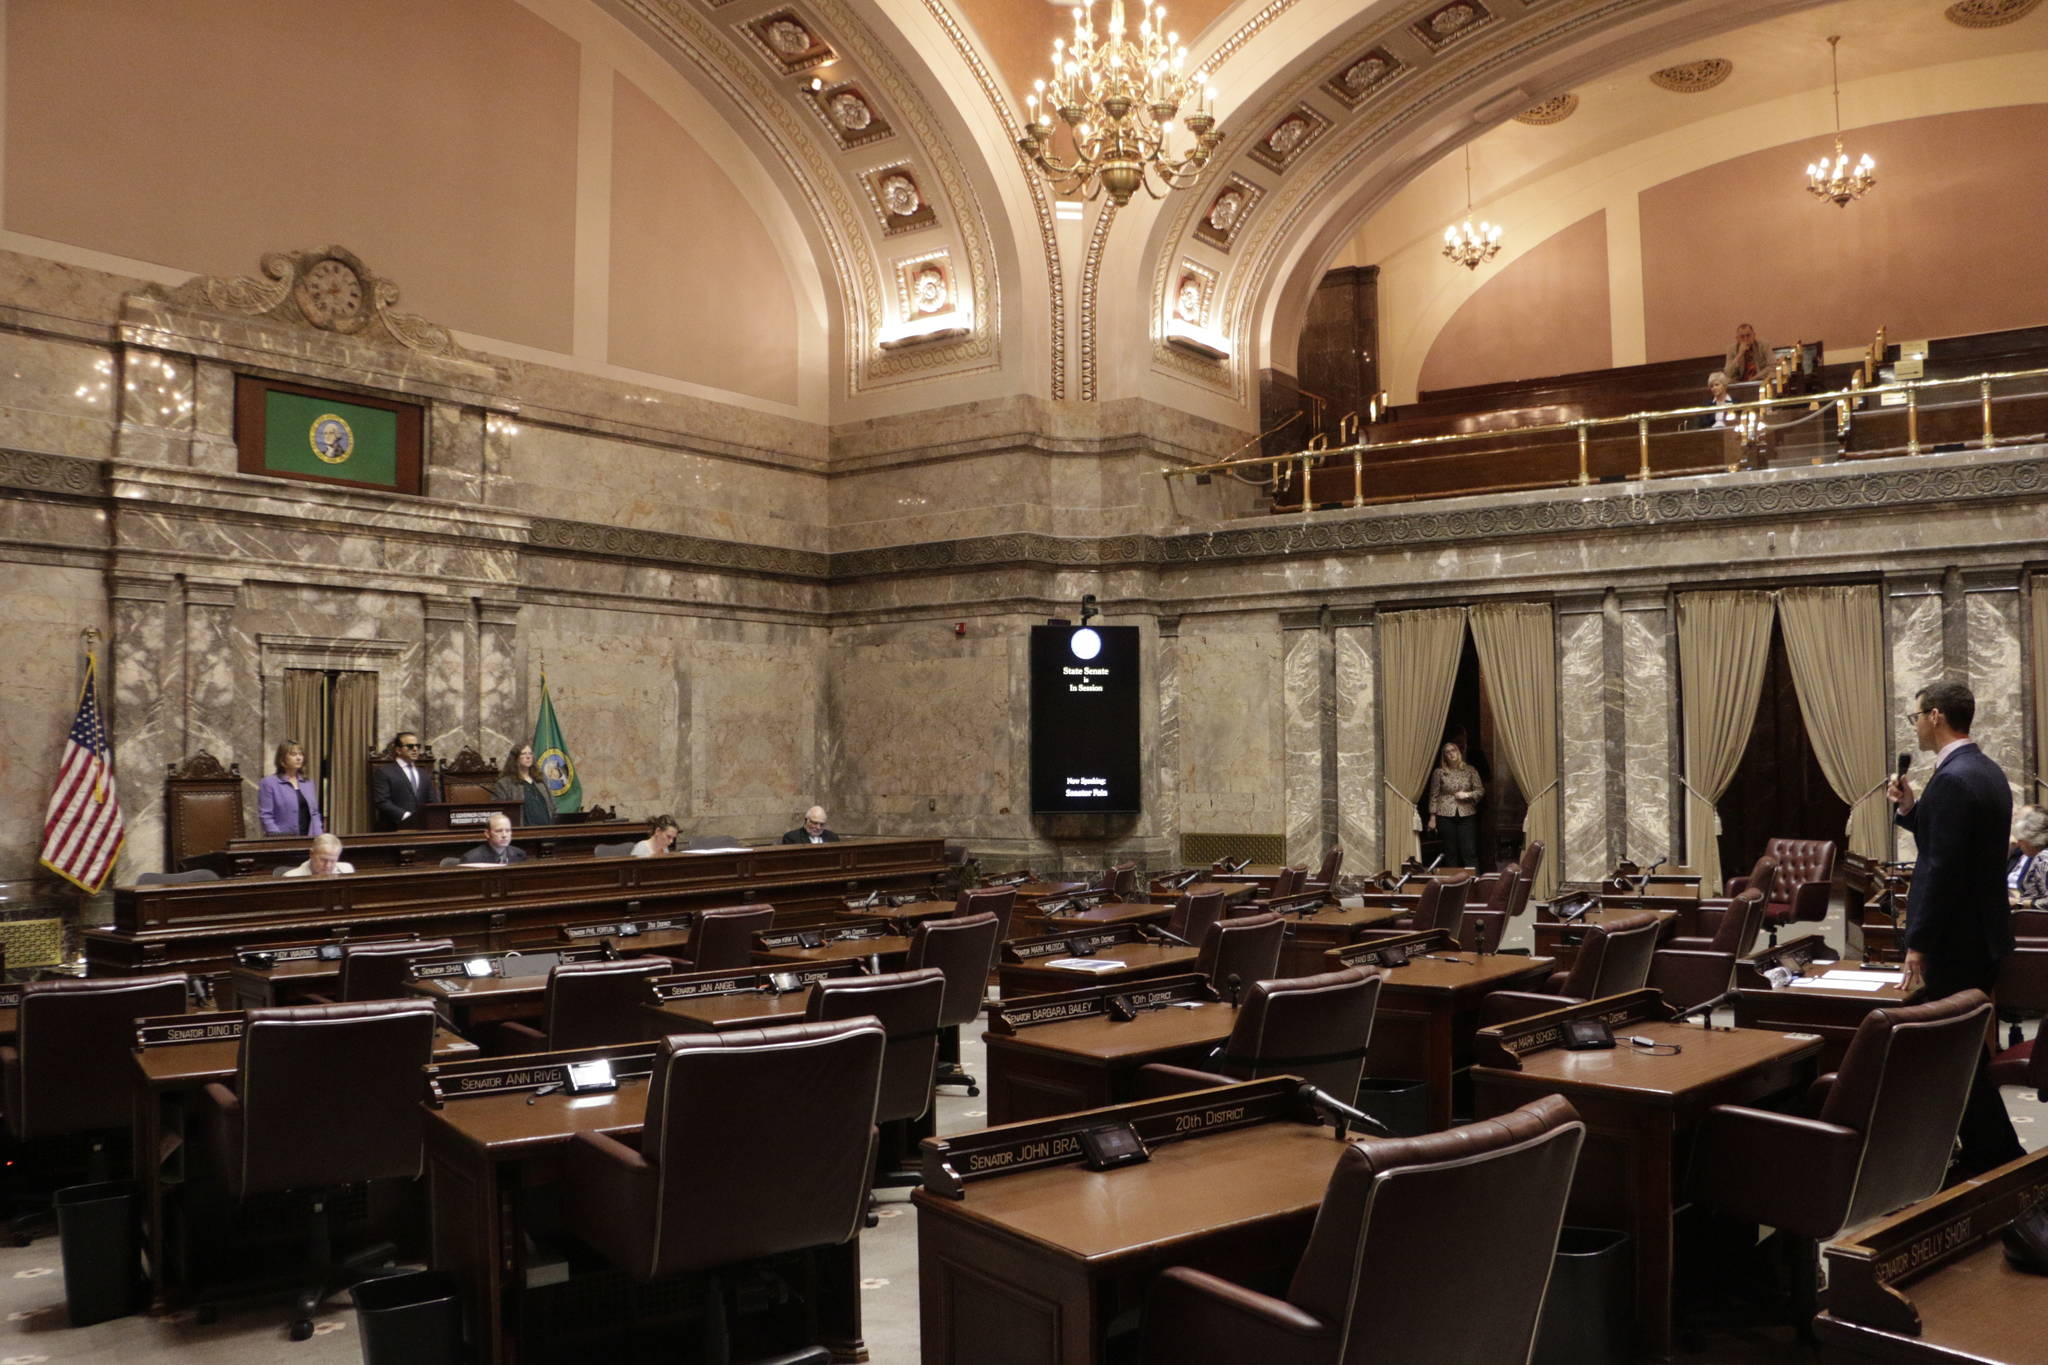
1838 983
1086 964
1881 978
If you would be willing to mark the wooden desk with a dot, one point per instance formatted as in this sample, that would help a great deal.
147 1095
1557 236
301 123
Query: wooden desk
1833 1012
1428 1011
1309 937
1234 893
1560 939
1639 1109
721 1013
175 1056
915 912
1031 893
254 857
1027 966
516 989
871 938
1095 917
1056 1054
1038 1258
1930 1285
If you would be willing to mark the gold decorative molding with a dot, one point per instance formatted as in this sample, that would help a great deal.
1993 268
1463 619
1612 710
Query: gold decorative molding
1988 13
1556 109
1693 78
325 289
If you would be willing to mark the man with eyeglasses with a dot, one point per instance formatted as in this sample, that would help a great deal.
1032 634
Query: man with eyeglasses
813 830
1957 925
398 789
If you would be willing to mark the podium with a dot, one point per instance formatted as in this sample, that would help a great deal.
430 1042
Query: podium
465 814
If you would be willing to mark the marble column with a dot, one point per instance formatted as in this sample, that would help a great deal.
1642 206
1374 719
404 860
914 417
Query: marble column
213 419
1913 628
144 710
1648 829
1358 759
455 438
500 716
1582 734
1993 668
1166 751
214 717
1301 678
448 648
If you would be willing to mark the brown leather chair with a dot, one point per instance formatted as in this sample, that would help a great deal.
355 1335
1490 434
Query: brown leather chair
723 939
2023 987
324 1096
1000 901
964 949
907 1003
721 1109
1192 915
1762 876
1488 921
1244 946
1291 881
1426 1249
1800 889
1121 881
1692 971
1325 878
589 1004
378 971
1440 905
1531 862
1878 1134
1614 957
1314 1027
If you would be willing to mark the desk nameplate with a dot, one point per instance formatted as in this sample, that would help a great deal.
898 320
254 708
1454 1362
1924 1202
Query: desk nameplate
10 997
1504 1045
951 1163
1795 957
691 987
169 1030
1075 945
628 928
840 933
1303 903
510 1075
1010 1016
504 964
1392 952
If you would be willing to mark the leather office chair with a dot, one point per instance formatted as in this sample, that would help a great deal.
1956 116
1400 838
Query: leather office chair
620 850
1762 876
1800 889
964 949
721 1108
325 1096
1000 901
1314 1027
907 1004
451 861
1691 971
589 1004
377 971
65 1073
1440 905
1613 958
1487 921
1432 1248
1531 862
1878 1136
723 939
1121 881
1192 915
1325 878
1244 946
2023 986
190 874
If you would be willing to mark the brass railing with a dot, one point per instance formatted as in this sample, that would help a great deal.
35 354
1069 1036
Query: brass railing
1754 412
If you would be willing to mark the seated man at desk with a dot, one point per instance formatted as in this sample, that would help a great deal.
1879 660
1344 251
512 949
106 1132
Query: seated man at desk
497 846
813 830
323 859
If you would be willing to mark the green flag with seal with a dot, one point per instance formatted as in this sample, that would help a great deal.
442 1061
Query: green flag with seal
551 756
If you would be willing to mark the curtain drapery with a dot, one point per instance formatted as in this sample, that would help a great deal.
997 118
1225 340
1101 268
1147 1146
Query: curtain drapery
1518 664
355 730
1834 638
1418 664
1724 640
2036 789
305 720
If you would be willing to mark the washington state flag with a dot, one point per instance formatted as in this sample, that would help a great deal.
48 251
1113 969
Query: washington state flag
551 756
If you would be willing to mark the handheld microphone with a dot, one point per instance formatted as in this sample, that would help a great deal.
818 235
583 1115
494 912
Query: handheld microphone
1236 984
1905 762
1324 1106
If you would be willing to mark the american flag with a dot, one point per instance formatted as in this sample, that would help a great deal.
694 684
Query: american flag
83 832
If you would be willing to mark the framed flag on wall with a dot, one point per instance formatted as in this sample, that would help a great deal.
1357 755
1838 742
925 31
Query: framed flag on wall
293 431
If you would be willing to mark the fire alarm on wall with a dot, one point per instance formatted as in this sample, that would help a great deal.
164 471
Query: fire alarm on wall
960 628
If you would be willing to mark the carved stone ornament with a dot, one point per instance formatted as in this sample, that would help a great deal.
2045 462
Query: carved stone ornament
1223 214
900 196
1691 78
327 289
1289 135
1188 300
1988 13
928 290
470 763
202 766
1451 18
789 37
1554 110
1449 22
1363 76
851 112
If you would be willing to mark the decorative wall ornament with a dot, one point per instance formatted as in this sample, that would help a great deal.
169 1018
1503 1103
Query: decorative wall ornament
924 285
1191 297
1556 109
850 115
1226 214
38 473
1448 23
1289 138
1359 77
898 199
788 42
1988 13
328 289
1691 78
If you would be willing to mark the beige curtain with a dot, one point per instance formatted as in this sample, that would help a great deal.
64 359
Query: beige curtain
1834 638
355 730
1518 664
305 720
2037 789
1418 664
1724 639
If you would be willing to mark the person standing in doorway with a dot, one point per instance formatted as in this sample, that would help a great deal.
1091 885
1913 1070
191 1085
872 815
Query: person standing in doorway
1455 788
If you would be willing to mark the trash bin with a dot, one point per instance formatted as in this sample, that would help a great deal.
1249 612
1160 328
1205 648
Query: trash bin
1588 1316
412 1318
102 1263
1403 1106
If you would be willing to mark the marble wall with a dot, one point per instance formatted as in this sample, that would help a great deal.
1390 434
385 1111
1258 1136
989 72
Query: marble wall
1233 739
1996 671
1358 758
1582 734
1648 696
1913 608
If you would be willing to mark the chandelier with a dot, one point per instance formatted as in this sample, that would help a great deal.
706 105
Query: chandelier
1118 99
1838 182
1465 244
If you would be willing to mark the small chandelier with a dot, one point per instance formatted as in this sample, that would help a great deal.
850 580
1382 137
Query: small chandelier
1838 182
1118 99
1465 244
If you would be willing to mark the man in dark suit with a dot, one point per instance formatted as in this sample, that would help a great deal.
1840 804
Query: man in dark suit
497 846
813 830
399 789
1956 916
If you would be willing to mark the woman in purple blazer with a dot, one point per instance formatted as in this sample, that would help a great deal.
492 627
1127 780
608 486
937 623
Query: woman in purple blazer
288 802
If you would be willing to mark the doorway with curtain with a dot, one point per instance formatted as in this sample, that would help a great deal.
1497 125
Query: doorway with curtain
1470 723
333 713
1778 790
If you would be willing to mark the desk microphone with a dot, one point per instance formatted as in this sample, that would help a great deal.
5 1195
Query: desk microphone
1236 985
1479 937
1168 935
1326 1106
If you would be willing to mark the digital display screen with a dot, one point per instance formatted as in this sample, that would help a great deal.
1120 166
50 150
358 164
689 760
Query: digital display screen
1084 719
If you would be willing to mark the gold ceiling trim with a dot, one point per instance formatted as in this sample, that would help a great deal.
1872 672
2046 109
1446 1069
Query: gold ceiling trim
1556 109
1693 78
1988 13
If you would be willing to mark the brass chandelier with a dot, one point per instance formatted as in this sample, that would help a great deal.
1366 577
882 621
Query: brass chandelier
1118 98
1465 244
1838 182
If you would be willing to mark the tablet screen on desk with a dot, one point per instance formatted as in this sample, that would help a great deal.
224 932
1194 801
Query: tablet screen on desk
586 1077
477 966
